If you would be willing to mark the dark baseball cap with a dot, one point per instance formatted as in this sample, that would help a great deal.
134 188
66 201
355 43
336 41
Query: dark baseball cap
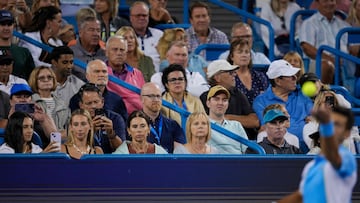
6 15
308 77
5 55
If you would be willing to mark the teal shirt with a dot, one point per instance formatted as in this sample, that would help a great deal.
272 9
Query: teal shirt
224 144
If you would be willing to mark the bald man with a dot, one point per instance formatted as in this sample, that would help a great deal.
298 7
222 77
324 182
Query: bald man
97 73
164 131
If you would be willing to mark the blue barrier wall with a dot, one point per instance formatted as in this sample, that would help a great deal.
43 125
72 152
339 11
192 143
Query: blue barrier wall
158 178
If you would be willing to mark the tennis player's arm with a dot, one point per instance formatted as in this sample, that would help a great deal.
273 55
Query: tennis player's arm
295 197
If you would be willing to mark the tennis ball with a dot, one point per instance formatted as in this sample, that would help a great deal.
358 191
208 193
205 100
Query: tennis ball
309 89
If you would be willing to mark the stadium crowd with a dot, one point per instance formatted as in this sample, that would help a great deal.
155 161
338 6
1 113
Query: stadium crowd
44 95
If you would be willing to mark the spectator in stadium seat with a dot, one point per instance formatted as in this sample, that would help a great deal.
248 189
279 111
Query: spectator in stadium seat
321 29
107 15
243 31
275 127
330 98
87 46
116 52
218 103
97 73
7 80
135 57
220 72
200 31
163 131
138 127
198 133
175 81
354 20
4 108
43 82
62 60
20 11
44 28
194 63
296 61
250 82
81 136
290 138
341 5
43 123
159 14
109 127
283 90
18 136
147 37
178 54
23 61
278 13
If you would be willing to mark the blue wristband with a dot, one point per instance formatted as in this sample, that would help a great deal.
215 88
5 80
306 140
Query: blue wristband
327 130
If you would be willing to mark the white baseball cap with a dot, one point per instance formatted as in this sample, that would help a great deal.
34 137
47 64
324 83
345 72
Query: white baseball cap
219 65
281 68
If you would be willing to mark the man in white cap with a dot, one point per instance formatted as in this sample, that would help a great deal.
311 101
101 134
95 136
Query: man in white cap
221 72
283 90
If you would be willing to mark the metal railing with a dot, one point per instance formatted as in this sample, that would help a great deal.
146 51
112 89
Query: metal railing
349 30
184 114
242 13
303 13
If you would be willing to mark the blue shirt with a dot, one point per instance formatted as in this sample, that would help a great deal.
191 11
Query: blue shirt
171 132
100 137
259 83
322 183
298 106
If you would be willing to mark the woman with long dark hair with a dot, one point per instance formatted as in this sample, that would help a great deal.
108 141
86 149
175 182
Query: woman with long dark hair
44 28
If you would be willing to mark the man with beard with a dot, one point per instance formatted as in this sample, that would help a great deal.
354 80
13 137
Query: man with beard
87 46
62 60
23 61
164 131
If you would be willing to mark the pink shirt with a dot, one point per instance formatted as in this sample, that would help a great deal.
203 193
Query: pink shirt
131 99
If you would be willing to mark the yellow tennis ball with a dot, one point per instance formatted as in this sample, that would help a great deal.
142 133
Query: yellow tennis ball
309 89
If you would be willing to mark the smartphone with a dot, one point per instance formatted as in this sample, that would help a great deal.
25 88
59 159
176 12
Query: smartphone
25 107
56 137
330 100
99 112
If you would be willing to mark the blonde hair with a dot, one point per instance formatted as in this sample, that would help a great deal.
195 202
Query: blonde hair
191 119
36 5
352 19
90 137
295 55
125 29
165 41
321 97
33 79
83 14
273 106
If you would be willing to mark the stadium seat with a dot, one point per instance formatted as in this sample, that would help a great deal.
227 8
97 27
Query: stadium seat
213 51
72 20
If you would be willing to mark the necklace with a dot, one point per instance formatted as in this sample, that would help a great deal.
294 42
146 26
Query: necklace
82 152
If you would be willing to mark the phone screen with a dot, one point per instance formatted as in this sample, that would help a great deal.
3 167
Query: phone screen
99 112
25 107
330 100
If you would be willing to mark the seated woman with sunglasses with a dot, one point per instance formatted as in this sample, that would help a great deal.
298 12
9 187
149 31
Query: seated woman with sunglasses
331 99
42 82
175 82
80 136
138 128
19 135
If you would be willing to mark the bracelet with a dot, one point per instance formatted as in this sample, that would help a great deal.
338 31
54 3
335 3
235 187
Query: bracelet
327 130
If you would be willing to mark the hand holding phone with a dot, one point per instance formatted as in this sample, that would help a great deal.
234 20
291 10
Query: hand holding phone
25 107
56 137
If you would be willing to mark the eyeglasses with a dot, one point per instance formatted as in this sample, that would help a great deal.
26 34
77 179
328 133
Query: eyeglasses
8 23
173 80
152 96
140 15
45 78
6 63
293 77
231 72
